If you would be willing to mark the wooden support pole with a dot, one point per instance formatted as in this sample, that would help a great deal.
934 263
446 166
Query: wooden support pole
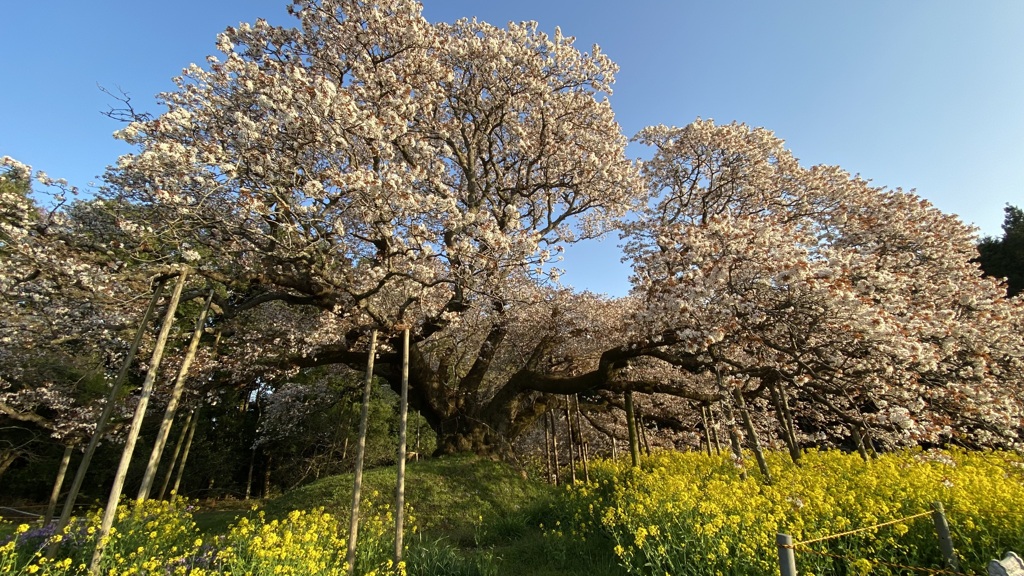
583 444
62 471
786 431
707 428
643 432
136 426
568 429
858 440
177 452
734 441
755 443
634 441
172 403
184 455
353 529
403 424
554 447
714 429
547 449
101 424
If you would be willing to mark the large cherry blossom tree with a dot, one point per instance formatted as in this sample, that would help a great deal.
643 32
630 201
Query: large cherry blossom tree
383 171
862 302
367 169
60 327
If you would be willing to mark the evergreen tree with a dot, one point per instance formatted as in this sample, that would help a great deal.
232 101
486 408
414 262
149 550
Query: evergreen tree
1004 257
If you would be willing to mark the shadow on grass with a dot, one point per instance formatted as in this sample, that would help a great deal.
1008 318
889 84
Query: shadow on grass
475 517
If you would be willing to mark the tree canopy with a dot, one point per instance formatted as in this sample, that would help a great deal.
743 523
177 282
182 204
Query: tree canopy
367 169
1004 257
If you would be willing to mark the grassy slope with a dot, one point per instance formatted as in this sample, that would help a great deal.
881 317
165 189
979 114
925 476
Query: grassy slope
481 507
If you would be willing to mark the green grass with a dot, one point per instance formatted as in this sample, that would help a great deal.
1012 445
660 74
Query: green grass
216 521
476 517
448 495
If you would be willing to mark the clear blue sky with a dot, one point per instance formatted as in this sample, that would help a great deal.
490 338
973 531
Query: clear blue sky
925 94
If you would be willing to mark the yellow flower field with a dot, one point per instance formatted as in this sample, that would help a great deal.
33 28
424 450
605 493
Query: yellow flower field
160 537
688 513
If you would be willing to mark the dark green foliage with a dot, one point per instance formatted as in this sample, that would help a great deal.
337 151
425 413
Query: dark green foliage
1004 257
14 184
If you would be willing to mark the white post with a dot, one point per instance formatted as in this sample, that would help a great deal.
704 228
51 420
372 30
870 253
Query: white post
787 559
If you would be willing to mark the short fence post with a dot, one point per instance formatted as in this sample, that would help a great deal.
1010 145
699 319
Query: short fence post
787 559
945 540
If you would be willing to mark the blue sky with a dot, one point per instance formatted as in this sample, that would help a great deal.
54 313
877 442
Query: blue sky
923 94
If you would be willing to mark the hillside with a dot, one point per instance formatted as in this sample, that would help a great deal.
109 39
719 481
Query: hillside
472 515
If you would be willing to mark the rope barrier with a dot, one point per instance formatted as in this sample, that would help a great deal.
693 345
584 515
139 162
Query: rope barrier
866 528
881 563
21 512
804 547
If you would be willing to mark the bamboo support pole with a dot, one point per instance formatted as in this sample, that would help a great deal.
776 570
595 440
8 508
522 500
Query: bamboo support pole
353 530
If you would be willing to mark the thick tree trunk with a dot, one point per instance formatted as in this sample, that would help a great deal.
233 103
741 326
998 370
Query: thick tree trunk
403 420
172 403
177 452
353 530
101 423
58 483
467 416
136 426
